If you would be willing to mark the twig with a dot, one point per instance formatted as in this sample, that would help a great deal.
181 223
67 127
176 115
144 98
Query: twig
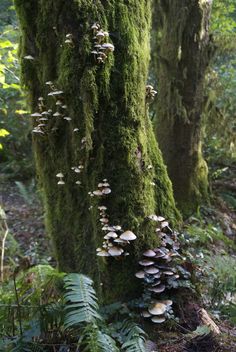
6 231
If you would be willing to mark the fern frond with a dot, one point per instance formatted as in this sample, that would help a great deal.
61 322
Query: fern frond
81 300
134 338
94 340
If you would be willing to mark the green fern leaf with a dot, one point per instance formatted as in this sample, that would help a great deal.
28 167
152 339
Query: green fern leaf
81 300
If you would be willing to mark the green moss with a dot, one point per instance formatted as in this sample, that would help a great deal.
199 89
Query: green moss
107 103
180 67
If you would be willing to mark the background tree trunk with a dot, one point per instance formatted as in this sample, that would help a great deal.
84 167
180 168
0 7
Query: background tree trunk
184 53
115 139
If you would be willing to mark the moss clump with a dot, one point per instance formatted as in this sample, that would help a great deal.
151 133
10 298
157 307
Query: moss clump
185 50
115 138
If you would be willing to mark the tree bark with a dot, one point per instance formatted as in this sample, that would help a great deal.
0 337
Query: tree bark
115 138
184 55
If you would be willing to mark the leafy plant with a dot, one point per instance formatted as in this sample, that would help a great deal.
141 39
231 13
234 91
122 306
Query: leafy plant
81 300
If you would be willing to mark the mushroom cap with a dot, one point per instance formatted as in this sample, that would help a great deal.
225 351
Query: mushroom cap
140 274
151 270
36 114
106 191
164 224
146 262
153 217
29 57
157 308
61 182
103 254
115 251
128 236
97 193
110 235
60 174
57 114
158 320
78 182
146 314
102 207
149 253
100 34
157 289
160 218
119 240
168 273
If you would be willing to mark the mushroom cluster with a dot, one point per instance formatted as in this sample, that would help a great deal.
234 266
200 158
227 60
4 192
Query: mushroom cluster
69 39
43 115
158 270
101 47
115 239
150 93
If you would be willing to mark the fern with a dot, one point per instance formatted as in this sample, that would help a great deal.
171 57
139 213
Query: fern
81 300
134 338
94 340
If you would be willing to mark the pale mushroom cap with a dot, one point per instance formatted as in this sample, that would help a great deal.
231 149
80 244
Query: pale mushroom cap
128 236
157 289
97 193
140 274
60 182
106 191
36 114
103 254
111 234
146 314
164 224
119 240
157 309
149 253
146 262
29 57
151 270
100 34
158 320
160 218
115 251
60 174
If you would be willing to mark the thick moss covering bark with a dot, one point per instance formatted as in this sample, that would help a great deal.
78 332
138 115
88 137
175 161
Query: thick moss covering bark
107 103
185 50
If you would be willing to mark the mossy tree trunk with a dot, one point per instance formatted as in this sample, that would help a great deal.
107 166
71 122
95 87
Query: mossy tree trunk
184 54
115 139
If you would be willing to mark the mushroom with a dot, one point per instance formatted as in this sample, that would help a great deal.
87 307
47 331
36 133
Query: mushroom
157 308
146 314
111 235
128 236
60 175
106 191
157 289
103 254
149 253
152 270
158 320
146 262
56 114
140 274
29 57
61 182
115 251
36 114
78 182
98 193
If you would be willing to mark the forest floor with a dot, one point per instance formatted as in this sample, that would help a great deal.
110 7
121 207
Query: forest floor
28 238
